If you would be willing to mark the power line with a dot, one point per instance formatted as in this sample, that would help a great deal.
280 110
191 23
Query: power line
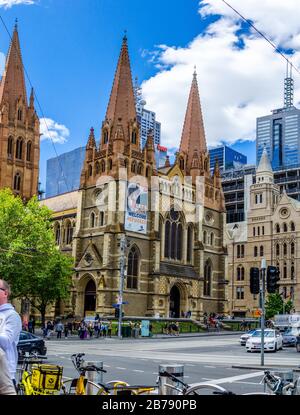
37 100
261 34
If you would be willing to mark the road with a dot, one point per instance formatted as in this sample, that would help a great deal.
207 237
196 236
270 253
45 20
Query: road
205 359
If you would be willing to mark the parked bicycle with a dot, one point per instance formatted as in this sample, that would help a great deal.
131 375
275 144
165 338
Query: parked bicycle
277 385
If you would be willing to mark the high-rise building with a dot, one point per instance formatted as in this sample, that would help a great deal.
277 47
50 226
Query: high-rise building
146 118
63 172
227 158
280 132
19 128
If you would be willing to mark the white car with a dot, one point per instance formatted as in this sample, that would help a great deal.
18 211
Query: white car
272 341
244 337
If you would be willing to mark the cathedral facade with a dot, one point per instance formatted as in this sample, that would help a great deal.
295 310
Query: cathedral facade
173 218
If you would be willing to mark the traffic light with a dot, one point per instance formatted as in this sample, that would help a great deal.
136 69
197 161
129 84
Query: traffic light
272 278
117 312
254 280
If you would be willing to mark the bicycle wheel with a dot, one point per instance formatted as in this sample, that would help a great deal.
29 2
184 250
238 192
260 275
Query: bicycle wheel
193 389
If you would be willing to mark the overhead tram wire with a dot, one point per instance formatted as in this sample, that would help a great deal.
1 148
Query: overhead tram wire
39 105
261 34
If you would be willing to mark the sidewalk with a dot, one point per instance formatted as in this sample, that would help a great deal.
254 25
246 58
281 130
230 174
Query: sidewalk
75 337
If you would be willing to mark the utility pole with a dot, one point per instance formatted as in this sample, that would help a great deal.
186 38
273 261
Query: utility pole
262 306
123 245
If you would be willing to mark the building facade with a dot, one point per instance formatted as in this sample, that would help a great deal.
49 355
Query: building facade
227 158
63 172
19 128
147 122
175 255
271 231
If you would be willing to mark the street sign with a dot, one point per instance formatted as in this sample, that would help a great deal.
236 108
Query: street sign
257 313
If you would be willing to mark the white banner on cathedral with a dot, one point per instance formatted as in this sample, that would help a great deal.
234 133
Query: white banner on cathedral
136 208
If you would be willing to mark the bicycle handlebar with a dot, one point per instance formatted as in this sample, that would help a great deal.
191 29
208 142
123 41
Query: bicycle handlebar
169 375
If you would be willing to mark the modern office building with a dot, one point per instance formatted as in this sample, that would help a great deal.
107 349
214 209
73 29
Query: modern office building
279 132
146 118
63 172
227 158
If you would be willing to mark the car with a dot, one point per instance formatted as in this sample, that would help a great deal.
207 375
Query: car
272 342
290 336
31 343
244 337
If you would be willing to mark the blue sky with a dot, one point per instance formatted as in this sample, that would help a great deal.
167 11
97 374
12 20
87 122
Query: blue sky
70 50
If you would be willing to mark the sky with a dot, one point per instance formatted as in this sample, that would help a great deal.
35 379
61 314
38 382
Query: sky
70 50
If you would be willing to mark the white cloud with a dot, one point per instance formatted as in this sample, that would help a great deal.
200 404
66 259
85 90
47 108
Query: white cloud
51 130
10 3
236 85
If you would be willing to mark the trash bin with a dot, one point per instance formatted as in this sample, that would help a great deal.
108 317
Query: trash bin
126 331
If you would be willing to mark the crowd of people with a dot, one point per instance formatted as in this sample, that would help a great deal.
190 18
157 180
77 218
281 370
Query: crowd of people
172 328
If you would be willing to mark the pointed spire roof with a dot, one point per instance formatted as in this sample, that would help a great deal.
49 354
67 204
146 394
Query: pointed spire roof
264 163
121 104
193 134
91 140
12 86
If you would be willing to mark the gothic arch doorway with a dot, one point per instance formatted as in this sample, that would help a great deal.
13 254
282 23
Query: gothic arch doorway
90 297
174 302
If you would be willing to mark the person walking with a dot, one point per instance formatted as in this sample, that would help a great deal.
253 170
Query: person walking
59 329
6 384
10 328
109 329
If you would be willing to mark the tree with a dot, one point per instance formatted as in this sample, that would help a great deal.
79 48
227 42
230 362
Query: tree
29 258
276 305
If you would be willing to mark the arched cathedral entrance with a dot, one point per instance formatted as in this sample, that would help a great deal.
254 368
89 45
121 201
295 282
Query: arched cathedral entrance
174 302
90 297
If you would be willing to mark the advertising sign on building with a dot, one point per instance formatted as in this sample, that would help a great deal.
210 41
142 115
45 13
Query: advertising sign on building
145 328
136 208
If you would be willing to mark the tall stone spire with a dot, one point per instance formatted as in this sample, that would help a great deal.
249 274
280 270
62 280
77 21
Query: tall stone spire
121 106
193 135
12 86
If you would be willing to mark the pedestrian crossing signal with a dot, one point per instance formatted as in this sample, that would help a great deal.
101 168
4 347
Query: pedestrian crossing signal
272 278
254 280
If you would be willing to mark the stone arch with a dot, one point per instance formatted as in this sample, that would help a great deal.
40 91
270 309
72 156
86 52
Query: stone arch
87 291
177 300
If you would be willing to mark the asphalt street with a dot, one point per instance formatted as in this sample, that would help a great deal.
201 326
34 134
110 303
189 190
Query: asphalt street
205 359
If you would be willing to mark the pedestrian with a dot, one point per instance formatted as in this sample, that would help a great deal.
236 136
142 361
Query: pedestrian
6 384
33 324
104 329
109 329
66 330
10 328
70 327
59 328
30 328
91 329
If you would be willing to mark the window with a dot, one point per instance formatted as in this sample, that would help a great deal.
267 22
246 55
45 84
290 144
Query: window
207 279
133 269
292 293
239 293
133 137
261 251
260 198
285 229
284 270
105 136
181 163
277 249
189 248
17 182
292 248
173 236
140 169
69 233
19 149
28 152
204 237
277 228
292 227
101 218
292 271
92 220
255 251
97 167
284 249
256 199
238 251
242 251
263 230
19 114
10 144
57 233
254 231
212 237
90 170
110 164
133 167
238 273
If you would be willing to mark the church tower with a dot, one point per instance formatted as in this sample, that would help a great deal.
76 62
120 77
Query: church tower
19 128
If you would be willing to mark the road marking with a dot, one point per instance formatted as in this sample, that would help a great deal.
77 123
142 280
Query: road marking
140 371
106 366
190 365
121 368
233 379
249 383
155 373
210 367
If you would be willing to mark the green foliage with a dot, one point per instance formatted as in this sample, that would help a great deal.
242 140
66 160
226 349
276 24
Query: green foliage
275 305
29 258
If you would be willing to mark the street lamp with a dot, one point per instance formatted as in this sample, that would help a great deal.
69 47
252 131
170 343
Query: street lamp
234 229
262 305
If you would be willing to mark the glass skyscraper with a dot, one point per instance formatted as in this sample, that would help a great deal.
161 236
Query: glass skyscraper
280 133
63 172
227 158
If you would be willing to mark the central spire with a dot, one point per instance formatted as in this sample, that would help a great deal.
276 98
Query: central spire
12 87
121 107
193 135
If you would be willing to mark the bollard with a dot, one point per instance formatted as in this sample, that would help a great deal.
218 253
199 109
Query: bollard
93 376
164 381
